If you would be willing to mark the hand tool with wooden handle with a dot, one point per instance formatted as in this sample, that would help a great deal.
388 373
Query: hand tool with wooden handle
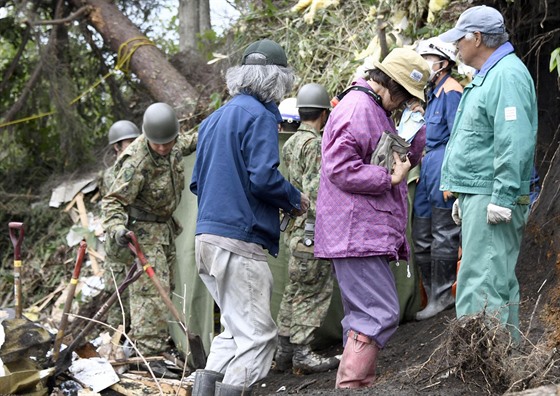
194 340
69 298
17 240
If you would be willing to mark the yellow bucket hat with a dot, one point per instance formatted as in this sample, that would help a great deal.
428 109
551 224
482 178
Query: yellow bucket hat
408 69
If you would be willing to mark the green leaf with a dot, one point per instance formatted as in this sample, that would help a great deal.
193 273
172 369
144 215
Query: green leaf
555 60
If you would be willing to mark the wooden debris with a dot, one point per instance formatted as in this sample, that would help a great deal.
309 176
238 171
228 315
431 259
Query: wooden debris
137 385
97 271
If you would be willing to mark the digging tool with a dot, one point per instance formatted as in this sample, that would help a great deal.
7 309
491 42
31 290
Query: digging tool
65 359
195 343
69 298
17 241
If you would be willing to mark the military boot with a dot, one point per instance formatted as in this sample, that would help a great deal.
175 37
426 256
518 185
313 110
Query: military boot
306 361
284 354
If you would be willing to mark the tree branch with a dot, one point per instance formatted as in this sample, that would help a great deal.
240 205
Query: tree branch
81 11
13 65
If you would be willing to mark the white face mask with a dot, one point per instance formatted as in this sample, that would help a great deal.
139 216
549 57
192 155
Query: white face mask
433 72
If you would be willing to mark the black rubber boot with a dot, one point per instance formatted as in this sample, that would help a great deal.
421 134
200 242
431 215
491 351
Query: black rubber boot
440 298
422 238
232 390
205 382
306 361
284 354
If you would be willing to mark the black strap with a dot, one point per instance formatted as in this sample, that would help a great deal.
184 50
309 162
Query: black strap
136 214
369 91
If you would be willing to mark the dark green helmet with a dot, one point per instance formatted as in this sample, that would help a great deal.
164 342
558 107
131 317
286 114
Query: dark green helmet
122 130
313 95
160 125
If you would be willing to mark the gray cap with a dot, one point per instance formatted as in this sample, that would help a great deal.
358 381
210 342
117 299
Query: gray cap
272 52
481 19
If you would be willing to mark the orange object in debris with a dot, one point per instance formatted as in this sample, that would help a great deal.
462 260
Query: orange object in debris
454 286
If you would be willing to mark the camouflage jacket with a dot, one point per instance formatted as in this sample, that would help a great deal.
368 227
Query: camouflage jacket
106 178
302 157
148 182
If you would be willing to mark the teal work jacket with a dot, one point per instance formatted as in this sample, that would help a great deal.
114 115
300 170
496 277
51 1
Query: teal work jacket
492 144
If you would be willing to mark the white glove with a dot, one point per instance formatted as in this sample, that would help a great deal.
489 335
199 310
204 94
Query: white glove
456 212
496 214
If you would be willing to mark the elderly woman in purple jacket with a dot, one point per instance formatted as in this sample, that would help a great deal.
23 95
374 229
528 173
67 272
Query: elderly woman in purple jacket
362 208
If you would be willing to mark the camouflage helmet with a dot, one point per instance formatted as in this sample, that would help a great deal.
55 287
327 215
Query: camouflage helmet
313 95
122 130
160 124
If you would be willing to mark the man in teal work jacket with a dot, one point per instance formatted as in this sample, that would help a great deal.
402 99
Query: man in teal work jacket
488 163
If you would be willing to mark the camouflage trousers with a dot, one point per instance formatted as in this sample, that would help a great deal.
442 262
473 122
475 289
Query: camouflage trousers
148 314
145 312
306 297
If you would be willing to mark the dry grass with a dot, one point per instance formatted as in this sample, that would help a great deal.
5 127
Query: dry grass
329 50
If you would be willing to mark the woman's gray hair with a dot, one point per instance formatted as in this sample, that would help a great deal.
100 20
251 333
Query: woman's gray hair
490 40
266 82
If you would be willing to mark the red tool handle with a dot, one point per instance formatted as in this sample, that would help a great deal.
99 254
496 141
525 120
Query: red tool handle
195 343
69 298
134 246
16 239
79 260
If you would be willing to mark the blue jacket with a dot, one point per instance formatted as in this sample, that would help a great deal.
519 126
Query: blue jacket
236 176
493 140
443 101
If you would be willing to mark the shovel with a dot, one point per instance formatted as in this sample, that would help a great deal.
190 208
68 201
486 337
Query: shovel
65 359
195 343
69 297
17 241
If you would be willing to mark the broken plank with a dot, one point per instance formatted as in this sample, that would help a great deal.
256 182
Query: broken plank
85 223
136 385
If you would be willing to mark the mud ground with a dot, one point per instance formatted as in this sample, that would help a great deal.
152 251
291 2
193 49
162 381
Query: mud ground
412 345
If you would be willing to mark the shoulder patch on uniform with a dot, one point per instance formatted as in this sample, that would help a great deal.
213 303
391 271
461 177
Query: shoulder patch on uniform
510 113
128 173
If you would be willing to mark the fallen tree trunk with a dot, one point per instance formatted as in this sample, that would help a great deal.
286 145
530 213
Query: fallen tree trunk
162 80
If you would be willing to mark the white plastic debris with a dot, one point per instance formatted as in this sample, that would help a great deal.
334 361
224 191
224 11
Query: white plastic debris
97 373
93 285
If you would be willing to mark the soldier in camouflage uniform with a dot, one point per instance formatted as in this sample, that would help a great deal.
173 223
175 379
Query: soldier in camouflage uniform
308 293
117 259
146 191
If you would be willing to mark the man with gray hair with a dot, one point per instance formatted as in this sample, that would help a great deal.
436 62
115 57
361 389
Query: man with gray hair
488 163
240 191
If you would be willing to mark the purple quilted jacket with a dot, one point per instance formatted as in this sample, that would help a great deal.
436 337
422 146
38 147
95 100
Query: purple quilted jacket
359 213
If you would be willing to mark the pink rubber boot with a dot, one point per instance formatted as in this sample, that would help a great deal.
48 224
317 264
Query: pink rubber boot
359 362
